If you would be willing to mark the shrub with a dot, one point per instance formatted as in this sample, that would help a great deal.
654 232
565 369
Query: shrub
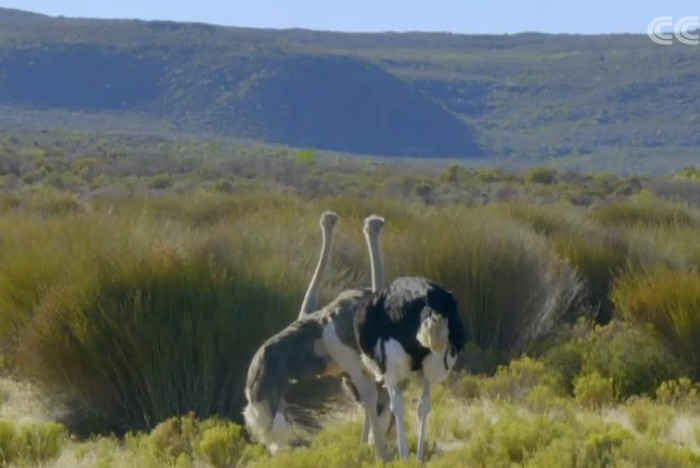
161 182
515 380
468 387
34 443
40 442
593 390
306 156
223 186
335 446
540 175
599 447
649 418
631 357
681 392
688 173
173 437
648 453
187 441
223 445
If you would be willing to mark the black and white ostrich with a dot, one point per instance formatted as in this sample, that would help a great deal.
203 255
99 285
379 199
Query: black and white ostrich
320 343
412 325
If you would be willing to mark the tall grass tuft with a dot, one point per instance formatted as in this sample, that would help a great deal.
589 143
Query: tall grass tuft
598 258
645 209
668 300
598 254
159 324
509 285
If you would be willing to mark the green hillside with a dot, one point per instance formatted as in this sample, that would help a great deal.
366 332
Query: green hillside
610 101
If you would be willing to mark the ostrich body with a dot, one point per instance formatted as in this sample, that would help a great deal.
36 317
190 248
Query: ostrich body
297 353
293 353
321 343
412 325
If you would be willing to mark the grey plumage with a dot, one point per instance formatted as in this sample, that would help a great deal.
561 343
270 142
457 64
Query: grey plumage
294 354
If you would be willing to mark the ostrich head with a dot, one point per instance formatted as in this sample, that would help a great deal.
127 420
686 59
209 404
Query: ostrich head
433 333
373 225
328 220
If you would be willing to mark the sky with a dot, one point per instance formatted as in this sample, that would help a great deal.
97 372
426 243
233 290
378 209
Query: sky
460 16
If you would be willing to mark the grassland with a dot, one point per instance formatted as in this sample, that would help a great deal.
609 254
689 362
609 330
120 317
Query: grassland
138 275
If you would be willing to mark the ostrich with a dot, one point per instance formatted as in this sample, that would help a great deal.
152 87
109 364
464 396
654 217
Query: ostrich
410 325
270 368
322 343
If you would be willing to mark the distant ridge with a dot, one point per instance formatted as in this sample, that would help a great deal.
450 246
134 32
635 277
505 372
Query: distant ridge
616 99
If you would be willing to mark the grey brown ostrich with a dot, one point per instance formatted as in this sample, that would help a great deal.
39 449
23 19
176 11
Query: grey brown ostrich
321 343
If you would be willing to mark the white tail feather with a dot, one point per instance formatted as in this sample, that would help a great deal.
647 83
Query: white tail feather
275 433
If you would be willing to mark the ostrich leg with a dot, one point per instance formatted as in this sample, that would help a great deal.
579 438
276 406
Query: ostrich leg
423 410
397 407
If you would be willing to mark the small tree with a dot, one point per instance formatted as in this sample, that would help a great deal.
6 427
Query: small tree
307 156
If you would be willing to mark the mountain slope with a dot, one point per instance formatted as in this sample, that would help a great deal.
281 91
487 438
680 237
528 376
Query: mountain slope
525 96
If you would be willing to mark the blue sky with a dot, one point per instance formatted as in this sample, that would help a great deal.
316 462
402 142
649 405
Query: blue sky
465 16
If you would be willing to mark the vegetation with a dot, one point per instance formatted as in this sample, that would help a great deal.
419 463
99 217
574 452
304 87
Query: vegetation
138 275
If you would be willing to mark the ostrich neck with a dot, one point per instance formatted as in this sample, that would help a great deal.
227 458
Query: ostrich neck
312 293
375 258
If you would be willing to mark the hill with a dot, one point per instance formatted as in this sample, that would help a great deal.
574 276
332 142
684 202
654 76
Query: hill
612 101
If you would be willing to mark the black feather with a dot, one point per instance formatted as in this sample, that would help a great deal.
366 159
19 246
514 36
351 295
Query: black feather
396 312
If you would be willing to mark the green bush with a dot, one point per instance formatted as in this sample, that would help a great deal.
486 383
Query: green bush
599 447
34 443
681 392
161 182
223 446
593 391
540 175
187 441
630 356
649 418
515 380
39 442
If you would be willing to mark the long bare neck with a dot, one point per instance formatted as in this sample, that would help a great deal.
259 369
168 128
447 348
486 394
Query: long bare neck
375 258
311 297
